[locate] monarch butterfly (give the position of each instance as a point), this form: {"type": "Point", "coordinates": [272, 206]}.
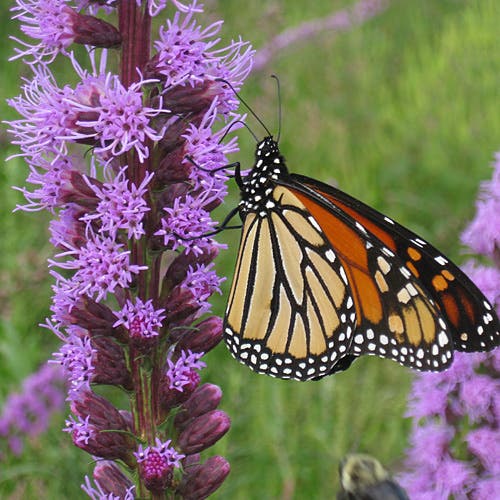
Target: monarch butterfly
{"type": "Point", "coordinates": [321, 278]}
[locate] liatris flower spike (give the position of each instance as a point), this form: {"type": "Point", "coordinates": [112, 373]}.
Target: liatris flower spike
{"type": "Point", "coordinates": [122, 159]}
{"type": "Point", "coordinates": [455, 444]}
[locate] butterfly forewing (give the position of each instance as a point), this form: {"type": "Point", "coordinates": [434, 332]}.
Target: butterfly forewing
{"type": "Point", "coordinates": [289, 314]}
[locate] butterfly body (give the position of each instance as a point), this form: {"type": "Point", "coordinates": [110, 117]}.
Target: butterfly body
{"type": "Point", "coordinates": [322, 278]}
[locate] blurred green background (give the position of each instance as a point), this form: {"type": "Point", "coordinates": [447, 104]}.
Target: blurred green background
{"type": "Point", "coordinates": [401, 112]}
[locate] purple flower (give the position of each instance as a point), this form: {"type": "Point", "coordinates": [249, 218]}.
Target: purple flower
{"type": "Point", "coordinates": [140, 319]}
{"type": "Point", "coordinates": [185, 225]}
{"type": "Point", "coordinates": [121, 205]}
{"type": "Point", "coordinates": [130, 166]}
{"type": "Point", "coordinates": [75, 356]}
{"type": "Point", "coordinates": [156, 464]}
{"type": "Point", "coordinates": [56, 25]}
{"type": "Point", "coordinates": [486, 488]}
{"type": "Point", "coordinates": [115, 116]}
{"type": "Point", "coordinates": [183, 371]}
{"type": "Point", "coordinates": [101, 266]}
{"type": "Point", "coordinates": [462, 404]}
{"type": "Point", "coordinates": [484, 443]}
{"type": "Point", "coordinates": [97, 492]}
{"type": "Point", "coordinates": [186, 55]}
{"type": "Point", "coordinates": [28, 412]}
{"type": "Point", "coordinates": [483, 233]}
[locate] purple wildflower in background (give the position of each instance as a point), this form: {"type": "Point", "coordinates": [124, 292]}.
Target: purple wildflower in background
{"type": "Point", "coordinates": [455, 443]}
{"type": "Point", "coordinates": [27, 414]}
{"type": "Point", "coordinates": [123, 163]}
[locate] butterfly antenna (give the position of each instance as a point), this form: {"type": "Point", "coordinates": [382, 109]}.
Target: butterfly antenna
{"type": "Point", "coordinates": [245, 104]}
{"type": "Point", "coordinates": [278, 88]}
{"type": "Point", "coordinates": [232, 126]}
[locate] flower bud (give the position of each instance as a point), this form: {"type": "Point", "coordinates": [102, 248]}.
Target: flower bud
{"type": "Point", "coordinates": [174, 167]}
{"type": "Point", "coordinates": [178, 269]}
{"type": "Point", "coordinates": [97, 319]}
{"type": "Point", "coordinates": [174, 191]}
{"type": "Point", "coordinates": [174, 397]}
{"type": "Point", "coordinates": [191, 460]}
{"type": "Point", "coordinates": [109, 363]}
{"type": "Point", "coordinates": [202, 338]}
{"type": "Point", "coordinates": [90, 30]}
{"type": "Point", "coordinates": [181, 304]}
{"type": "Point", "coordinates": [201, 480]}
{"type": "Point", "coordinates": [80, 192]}
{"type": "Point", "coordinates": [189, 99]}
{"type": "Point", "coordinates": [101, 419]}
{"type": "Point", "coordinates": [204, 431]}
{"type": "Point", "coordinates": [173, 138]}
{"type": "Point", "coordinates": [111, 479]}
{"type": "Point", "coordinates": [204, 399]}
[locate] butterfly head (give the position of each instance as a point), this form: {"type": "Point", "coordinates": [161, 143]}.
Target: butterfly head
{"type": "Point", "coordinates": [256, 187]}
{"type": "Point", "coordinates": [268, 159]}
{"type": "Point", "coordinates": [267, 148]}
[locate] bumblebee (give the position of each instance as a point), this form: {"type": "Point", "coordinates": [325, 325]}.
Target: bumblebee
{"type": "Point", "coordinates": [362, 477]}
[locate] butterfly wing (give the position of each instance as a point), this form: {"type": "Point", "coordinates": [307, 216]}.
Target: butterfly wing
{"type": "Point", "coordinates": [314, 288]}
{"type": "Point", "coordinates": [290, 313]}
{"type": "Point", "coordinates": [472, 320]}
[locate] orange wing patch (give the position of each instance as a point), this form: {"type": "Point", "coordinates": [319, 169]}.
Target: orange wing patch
{"type": "Point", "coordinates": [352, 253]}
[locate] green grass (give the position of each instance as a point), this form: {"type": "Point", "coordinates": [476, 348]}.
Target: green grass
{"type": "Point", "coordinates": [402, 113]}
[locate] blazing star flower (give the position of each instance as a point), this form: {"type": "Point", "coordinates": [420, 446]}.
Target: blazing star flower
{"type": "Point", "coordinates": [140, 319]}
{"type": "Point", "coordinates": [156, 464]}
{"type": "Point", "coordinates": [116, 117]}
{"type": "Point", "coordinates": [56, 25]}
{"type": "Point", "coordinates": [122, 205]}
{"type": "Point", "coordinates": [97, 492]}
{"type": "Point", "coordinates": [184, 370]}
{"type": "Point", "coordinates": [483, 233]}
{"type": "Point", "coordinates": [101, 266]}
{"type": "Point", "coordinates": [202, 282]}
{"type": "Point", "coordinates": [28, 412]}
{"type": "Point", "coordinates": [185, 225]}
{"type": "Point", "coordinates": [461, 406]}
{"type": "Point", "coordinates": [75, 356]}
{"type": "Point", "coordinates": [130, 166]}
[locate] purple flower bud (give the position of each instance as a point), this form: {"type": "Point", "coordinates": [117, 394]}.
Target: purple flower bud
{"type": "Point", "coordinates": [190, 460]}
{"type": "Point", "coordinates": [204, 399]}
{"type": "Point", "coordinates": [187, 99]}
{"type": "Point", "coordinates": [203, 337]}
{"type": "Point", "coordinates": [174, 167]}
{"type": "Point", "coordinates": [180, 306]}
{"type": "Point", "coordinates": [179, 268]}
{"type": "Point", "coordinates": [109, 363]}
{"type": "Point", "coordinates": [93, 431]}
{"type": "Point", "coordinates": [172, 193]}
{"type": "Point", "coordinates": [190, 296]}
{"type": "Point", "coordinates": [201, 480]}
{"type": "Point", "coordinates": [89, 30]}
{"type": "Point", "coordinates": [80, 193]}
{"type": "Point", "coordinates": [204, 431]}
{"type": "Point", "coordinates": [97, 318]}
{"type": "Point", "coordinates": [111, 479]}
